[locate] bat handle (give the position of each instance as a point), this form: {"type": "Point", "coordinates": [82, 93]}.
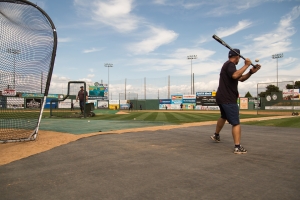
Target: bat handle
{"type": "Point", "coordinates": [245, 59]}
{"type": "Point", "coordinates": [253, 65]}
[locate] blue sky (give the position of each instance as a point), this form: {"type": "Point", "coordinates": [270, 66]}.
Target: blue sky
{"type": "Point", "coordinates": [152, 39]}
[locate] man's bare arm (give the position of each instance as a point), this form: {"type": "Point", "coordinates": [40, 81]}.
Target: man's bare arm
{"type": "Point", "coordinates": [239, 73]}
{"type": "Point", "coordinates": [251, 71]}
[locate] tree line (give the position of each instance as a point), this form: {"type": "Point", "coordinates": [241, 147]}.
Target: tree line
{"type": "Point", "coordinates": [274, 88]}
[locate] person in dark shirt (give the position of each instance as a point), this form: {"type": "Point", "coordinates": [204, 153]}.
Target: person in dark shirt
{"type": "Point", "coordinates": [227, 95]}
{"type": "Point", "coordinates": [80, 96]}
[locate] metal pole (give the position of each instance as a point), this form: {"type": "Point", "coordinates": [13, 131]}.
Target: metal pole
{"type": "Point", "coordinates": [108, 65]}
{"type": "Point", "coordinates": [277, 72]}
{"type": "Point", "coordinates": [14, 52]}
{"type": "Point", "coordinates": [191, 57]}
{"type": "Point", "coordinates": [191, 76]}
{"type": "Point", "coordinates": [276, 56]}
{"type": "Point", "coordinates": [193, 83]}
{"type": "Point", "coordinates": [41, 82]}
{"type": "Point", "coordinates": [108, 82]}
{"type": "Point", "coordinates": [169, 87]}
{"type": "Point", "coordinates": [257, 99]}
{"type": "Point", "coordinates": [14, 70]}
{"type": "Point", "coordinates": [145, 88]}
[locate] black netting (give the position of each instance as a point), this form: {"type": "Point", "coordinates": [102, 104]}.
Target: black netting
{"type": "Point", "coordinates": [27, 51]}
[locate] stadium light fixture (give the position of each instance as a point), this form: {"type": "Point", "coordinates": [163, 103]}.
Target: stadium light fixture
{"type": "Point", "coordinates": [108, 65]}
{"type": "Point", "coordinates": [14, 52]}
{"type": "Point", "coordinates": [276, 56]}
{"type": "Point", "coordinates": [191, 57]}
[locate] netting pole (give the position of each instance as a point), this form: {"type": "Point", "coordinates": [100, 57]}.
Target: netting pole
{"type": "Point", "coordinates": [257, 99]}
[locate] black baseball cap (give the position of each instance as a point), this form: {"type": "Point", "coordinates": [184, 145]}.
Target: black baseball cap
{"type": "Point", "coordinates": [81, 86]}
{"type": "Point", "coordinates": [232, 53]}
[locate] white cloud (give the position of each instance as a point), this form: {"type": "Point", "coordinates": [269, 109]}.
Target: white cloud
{"type": "Point", "coordinates": [224, 32]}
{"type": "Point", "coordinates": [158, 37]}
{"type": "Point", "coordinates": [278, 40]}
{"type": "Point", "coordinates": [63, 40]}
{"type": "Point", "coordinates": [192, 5]}
{"type": "Point", "coordinates": [114, 13]}
{"type": "Point", "coordinates": [202, 54]}
{"type": "Point", "coordinates": [161, 2]}
{"type": "Point", "coordinates": [91, 50]}
{"type": "Point", "coordinates": [91, 75]}
{"type": "Point", "coordinates": [225, 7]}
{"type": "Point", "coordinates": [179, 64]}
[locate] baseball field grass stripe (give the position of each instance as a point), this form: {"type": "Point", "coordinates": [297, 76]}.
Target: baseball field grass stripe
{"type": "Point", "coordinates": [161, 117]}
{"type": "Point", "coordinates": [152, 116]}
{"type": "Point", "coordinates": [293, 122]}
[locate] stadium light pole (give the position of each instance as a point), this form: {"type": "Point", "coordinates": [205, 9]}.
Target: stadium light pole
{"type": "Point", "coordinates": [191, 57]}
{"type": "Point", "coordinates": [276, 56]}
{"type": "Point", "coordinates": [15, 52]}
{"type": "Point", "coordinates": [108, 65]}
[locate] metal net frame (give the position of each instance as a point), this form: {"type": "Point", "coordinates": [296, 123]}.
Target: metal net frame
{"type": "Point", "coordinates": [277, 98]}
{"type": "Point", "coordinates": [27, 53]}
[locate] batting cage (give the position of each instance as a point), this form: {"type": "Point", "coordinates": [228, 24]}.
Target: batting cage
{"type": "Point", "coordinates": [68, 106]}
{"type": "Point", "coordinates": [278, 98]}
{"type": "Point", "coordinates": [27, 52]}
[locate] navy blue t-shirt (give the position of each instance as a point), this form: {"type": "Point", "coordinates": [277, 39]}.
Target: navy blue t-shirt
{"type": "Point", "coordinates": [228, 87]}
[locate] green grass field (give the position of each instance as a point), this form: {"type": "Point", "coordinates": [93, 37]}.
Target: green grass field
{"type": "Point", "coordinates": [171, 117]}
{"type": "Point", "coordinates": [293, 122]}
{"type": "Point", "coordinates": [190, 117]}
{"type": "Point", "coordinates": [175, 117]}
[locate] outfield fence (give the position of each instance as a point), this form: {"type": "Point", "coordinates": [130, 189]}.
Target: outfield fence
{"type": "Point", "coordinates": [277, 98]}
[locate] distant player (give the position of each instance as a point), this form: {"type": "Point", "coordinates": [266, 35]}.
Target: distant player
{"type": "Point", "coordinates": [80, 96]}
{"type": "Point", "coordinates": [227, 95]}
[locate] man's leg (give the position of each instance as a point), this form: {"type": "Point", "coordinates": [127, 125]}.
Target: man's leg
{"type": "Point", "coordinates": [220, 124]}
{"type": "Point", "coordinates": [81, 106]}
{"type": "Point", "coordinates": [236, 134]}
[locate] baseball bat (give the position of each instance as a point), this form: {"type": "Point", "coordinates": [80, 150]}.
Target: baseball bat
{"type": "Point", "coordinates": [226, 45]}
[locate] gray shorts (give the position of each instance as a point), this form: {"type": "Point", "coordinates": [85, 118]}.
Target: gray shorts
{"type": "Point", "coordinates": [230, 112]}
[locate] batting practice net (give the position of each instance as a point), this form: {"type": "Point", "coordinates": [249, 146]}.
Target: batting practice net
{"type": "Point", "coordinates": [67, 106]}
{"type": "Point", "coordinates": [27, 53]}
{"type": "Point", "coordinates": [279, 98]}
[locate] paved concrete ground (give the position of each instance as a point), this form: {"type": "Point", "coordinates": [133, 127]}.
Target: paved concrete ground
{"type": "Point", "coordinates": [170, 164]}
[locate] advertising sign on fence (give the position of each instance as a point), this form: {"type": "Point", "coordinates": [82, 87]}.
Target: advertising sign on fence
{"type": "Point", "coordinates": [290, 94]}
{"type": "Point", "coordinates": [9, 92]}
{"type": "Point", "coordinates": [165, 104]}
{"type": "Point", "coordinates": [102, 104]}
{"type": "Point", "coordinates": [33, 103]}
{"type": "Point", "coordinates": [114, 104]}
{"type": "Point", "coordinates": [124, 104]}
{"type": "Point", "coordinates": [176, 100]}
{"type": "Point", "coordinates": [98, 92]}
{"type": "Point", "coordinates": [244, 103]}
